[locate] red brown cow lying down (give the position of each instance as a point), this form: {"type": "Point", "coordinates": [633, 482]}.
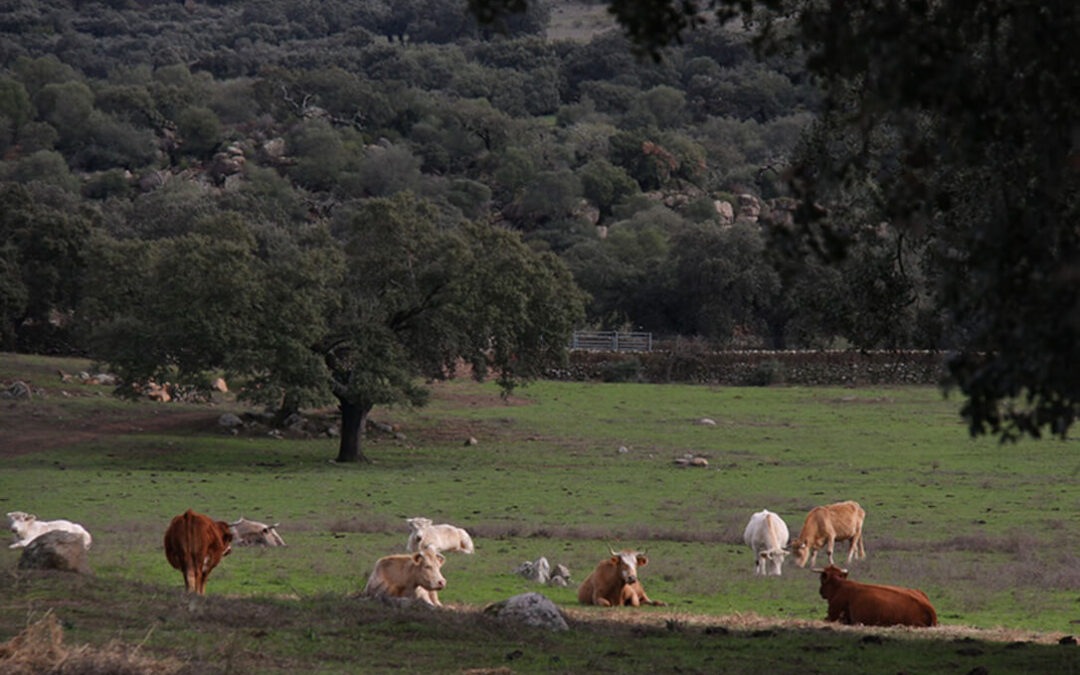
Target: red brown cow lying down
{"type": "Point", "coordinates": [852, 602]}
{"type": "Point", "coordinates": [411, 576]}
{"type": "Point", "coordinates": [826, 525]}
{"type": "Point", "coordinates": [195, 544]}
{"type": "Point", "coordinates": [614, 582]}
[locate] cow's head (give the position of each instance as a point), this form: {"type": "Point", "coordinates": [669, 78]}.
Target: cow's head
{"type": "Point", "coordinates": [773, 561]}
{"type": "Point", "coordinates": [830, 576]}
{"type": "Point", "coordinates": [801, 550]}
{"type": "Point", "coordinates": [426, 569]}
{"type": "Point", "coordinates": [418, 524]}
{"type": "Point", "coordinates": [225, 532]}
{"type": "Point", "coordinates": [19, 521]}
{"type": "Point", "coordinates": [627, 562]}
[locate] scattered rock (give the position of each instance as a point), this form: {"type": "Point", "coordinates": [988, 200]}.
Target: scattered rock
{"type": "Point", "coordinates": [156, 392]}
{"type": "Point", "coordinates": [385, 428]}
{"type": "Point", "coordinates": [56, 550]}
{"type": "Point", "coordinates": [690, 459]}
{"type": "Point", "coordinates": [531, 609]}
{"type": "Point", "coordinates": [219, 385]}
{"type": "Point", "coordinates": [229, 421]}
{"type": "Point", "coordinates": [706, 422]}
{"type": "Point", "coordinates": [538, 570]}
{"type": "Point", "coordinates": [400, 436]}
{"type": "Point", "coordinates": [19, 390]}
{"type": "Point", "coordinates": [471, 440]}
{"type": "Point", "coordinates": [622, 450]}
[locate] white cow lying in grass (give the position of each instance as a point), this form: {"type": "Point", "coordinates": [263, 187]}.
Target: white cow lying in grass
{"type": "Point", "coordinates": [442, 537]}
{"type": "Point", "coordinates": [27, 527]}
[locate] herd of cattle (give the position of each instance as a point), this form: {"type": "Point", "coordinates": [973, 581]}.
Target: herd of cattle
{"type": "Point", "coordinates": [195, 544]}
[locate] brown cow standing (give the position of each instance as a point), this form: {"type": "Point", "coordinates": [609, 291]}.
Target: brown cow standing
{"type": "Point", "coordinates": [826, 525]}
{"type": "Point", "coordinates": [852, 602]}
{"type": "Point", "coordinates": [195, 544]}
{"type": "Point", "coordinates": [413, 577]}
{"type": "Point", "coordinates": [614, 582]}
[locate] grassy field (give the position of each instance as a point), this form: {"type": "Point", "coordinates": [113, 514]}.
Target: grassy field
{"type": "Point", "coordinates": [989, 532]}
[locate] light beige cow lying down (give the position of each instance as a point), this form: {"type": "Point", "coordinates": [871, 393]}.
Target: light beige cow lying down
{"type": "Point", "coordinates": [27, 527]}
{"type": "Point", "coordinates": [441, 537]}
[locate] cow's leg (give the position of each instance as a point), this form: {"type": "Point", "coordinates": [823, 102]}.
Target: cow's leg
{"type": "Point", "coordinates": [836, 612]}
{"type": "Point", "coordinates": [600, 600]}
{"type": "Point", "coordinates": [190, 583]}
{"type": "Point", "coordinates": [832, 544]}
{"type": "Point", "coordinates": [645, 599]}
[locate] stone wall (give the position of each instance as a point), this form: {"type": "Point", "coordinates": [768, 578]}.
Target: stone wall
{"type": "Point", "coordinates": [757, 367]}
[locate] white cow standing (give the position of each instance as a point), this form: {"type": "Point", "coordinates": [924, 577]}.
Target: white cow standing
{"type": "Point", "coordinates": [442, 537]}
{"type": "Point", "coordinates": [767, 535]}
{"type": "Point", "coordinates": [27, 528]}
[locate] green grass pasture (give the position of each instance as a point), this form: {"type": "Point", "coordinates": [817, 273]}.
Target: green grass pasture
{"type": "Point", "coordinates": [991, 532]}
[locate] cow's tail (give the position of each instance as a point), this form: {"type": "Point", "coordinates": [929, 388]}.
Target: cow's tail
{"type": "Point", "coordinates": [466, 543]}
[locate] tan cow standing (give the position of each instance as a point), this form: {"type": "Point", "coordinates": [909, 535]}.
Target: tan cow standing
{"type": "Point", "coordinates": [414, 576]}
{"type": "Point", "coordinates": [195, 544]}
{"type": "Point", "coordinates": [826, 525]}
{"type": "Point", "coordinates": [614, 582]}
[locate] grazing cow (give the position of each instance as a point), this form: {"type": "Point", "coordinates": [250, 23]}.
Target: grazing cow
{"type": "Point", "coordinates": [852, 602]}
{"type": "Point", "coordinates": [411, 576]}
{"type": "Point", "coordinates": [442, 537]}
{"type": "Point", "coordinates": [767, 534]}
{"type": "Point", "coordinates": [195, 544]}
{"type": "Point", "coordinates": [826, 525]}
{"type": "Point", "coordinates": [614, 582]}
{"type": "Point", "coordinates": [27, 527]}
{"type": "Point", "coordinates": [249, 532]}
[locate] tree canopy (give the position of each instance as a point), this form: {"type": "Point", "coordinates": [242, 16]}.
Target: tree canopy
{"type": "Point", "coordinates": [867, 175]}
{"type": "Point", "coordinates": [954, 125]}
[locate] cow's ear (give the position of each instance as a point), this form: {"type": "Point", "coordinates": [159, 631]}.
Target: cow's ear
{"type": "Point", "coordinates": [642, 561]}
{"type": "Point", "coordinates": [442, 559]}
{"type": "Point", "coordinates": [418, 558]}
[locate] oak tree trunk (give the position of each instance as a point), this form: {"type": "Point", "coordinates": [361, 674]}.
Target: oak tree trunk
{"type": "Point", "coordinates": [353, 420]}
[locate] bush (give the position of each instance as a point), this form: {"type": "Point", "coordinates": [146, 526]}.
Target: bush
{"type": "Point", "coordinates": [766, 373]}
{"type": "Point", "coordinates": [622, 370]}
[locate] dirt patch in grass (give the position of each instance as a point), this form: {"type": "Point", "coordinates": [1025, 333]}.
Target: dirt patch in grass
{"type": "Point", "coordinates": [25, 429]}
{"type": "Point", "coordinates": [751, 622]}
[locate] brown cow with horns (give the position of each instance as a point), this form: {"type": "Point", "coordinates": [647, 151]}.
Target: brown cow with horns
{"type": "Point", "coordinates": [195, 544]}
{"type": "Point", "coordinates": [852, 602]}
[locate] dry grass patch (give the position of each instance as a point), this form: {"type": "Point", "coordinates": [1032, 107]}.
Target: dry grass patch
{"type": "Point", "coordinates": [40, 650]}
